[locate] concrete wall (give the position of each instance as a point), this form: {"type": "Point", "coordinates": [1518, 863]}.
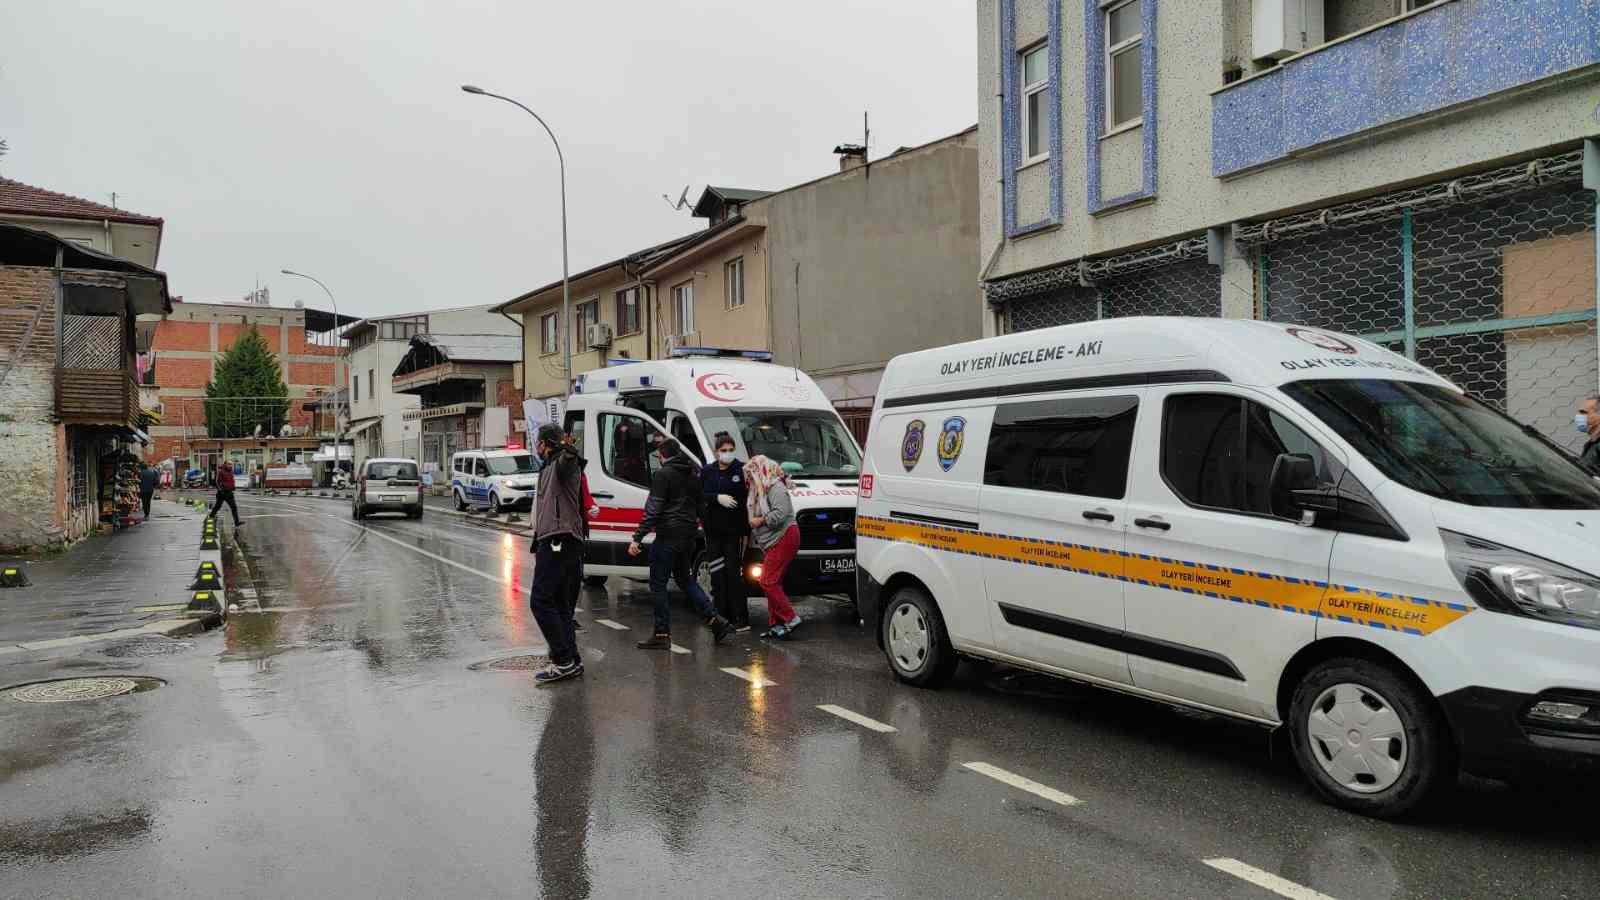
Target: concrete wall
{"type": "Point", "coordinates": [1193, 41]}
{"type": "Point", "coordinates": [32, 462]}
{"type": "Point", "coordinates": [876, 261]}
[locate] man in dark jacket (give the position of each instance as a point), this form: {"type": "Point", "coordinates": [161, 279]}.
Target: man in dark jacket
{"type": "Point", "coordinates": [225, 493]}
{"type": "Point", "coordinates": [673, 513]}
{"type": "Point", "coordinates": [149, 479]}
{"type": "Point", "coordinates": [727, 523]}
{"type": "Point", "coordinates": [558, 529]}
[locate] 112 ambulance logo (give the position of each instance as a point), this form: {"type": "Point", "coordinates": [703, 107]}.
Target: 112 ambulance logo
{"type": "Point", "coordinates": [911, 444]}
{"type": "Point", "coordinates": [720, 386]}
{"type": "Point", "coordinates": [952, 437]}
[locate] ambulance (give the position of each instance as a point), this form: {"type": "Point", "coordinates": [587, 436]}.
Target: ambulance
{"type": "Point", "coordinates": [618, 413]}
{"type": "Point", "coordinates": [1282, 525]}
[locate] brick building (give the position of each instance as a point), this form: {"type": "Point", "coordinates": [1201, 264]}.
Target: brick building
{"type": "Point", "coordinates": [71, 410]}
{"type": "Point", "coordinates": [183, 357]}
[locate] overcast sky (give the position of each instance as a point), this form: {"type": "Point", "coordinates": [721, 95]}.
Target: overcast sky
{"type": "Point", "coordinates": [332, 137]}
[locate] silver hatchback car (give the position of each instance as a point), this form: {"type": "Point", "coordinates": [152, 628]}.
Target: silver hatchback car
{"type": "Point", "coordinates": [387, 485]}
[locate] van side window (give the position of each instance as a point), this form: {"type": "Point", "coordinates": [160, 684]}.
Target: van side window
{"type": "Point", "coordinates": [480, 468]}
{"type": "Point", "coordinates": [1073, 446]}
{"type": "Point", "coordinates": [1217, 451]}
{"type": "Point", "coordinates": [625, 448]}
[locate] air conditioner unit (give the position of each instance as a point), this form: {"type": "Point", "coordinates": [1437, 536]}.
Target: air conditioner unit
{"type": "Point", "coordinates": [598, 336]}
{"type": "Point", "coordinates": [1281, 28]}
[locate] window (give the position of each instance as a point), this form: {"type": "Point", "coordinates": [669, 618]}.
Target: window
{"type": "Point", "coordinates": [549, 342]}
{"type": "Point", "coordinates": [1124, 64]}
{"type": "Point", "coordinates": [1217, 451]}
{"type": "Point", "coordinates": [806, 443]}
{"type": "Point", "coordinates": [733, 282]}
{"type": "Point", "coordinates": [1078, 446]}
{"type": "Point", "coordinates": [372, 385]}
{"type": "Point", "coordinates": [683, 308]}
{"type": "Point", "coordinates": [683, 430]}
{"type": "Point", "coordinates": [355, 388]}
{"type": "Point", "coordinates": [574, 427]}
{"type": "Point", "coordinates": [519, 464]}
{"type": "Point", "coordinates": [383, 471]}
{"type": "Point", "coordinates": [480, 468]}
{"type": "Point", "coordinates": [627, 448]}
{"type": "Point", "coordinates": [628, 311]}
{"type": "Point", "coordinates": [1036, 96]}
{"type": "Point", "coordinates": [584, 315]}
{"type": "Point", "coordinates": [402, 329]}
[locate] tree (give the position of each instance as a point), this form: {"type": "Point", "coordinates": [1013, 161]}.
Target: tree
{"type": "Point", "coordinates": [247, 390]}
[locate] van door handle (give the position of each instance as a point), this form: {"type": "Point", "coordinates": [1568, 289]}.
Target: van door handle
{"type": "Point", "coordinates": [1098, 515]}
{"type": "Point", "coordinates": [1155, 522]}
{"type": "Point", "coordinates": [601, 495]}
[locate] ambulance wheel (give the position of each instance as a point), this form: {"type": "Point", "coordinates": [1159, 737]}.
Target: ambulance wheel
{"type": "Point", "coordinates": [460, 501]}
{"type": "Point", "coordinates": [1370, 738]}
{"type": "Point", "coordinates": [915, 641]}
{"type": "Point", "coordinates": [595, 581]}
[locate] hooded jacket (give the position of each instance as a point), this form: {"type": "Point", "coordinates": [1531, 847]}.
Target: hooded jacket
{"type": "Point", "coordinates": [673, 509]}
{"type": "Point", "coordinates": [559, 504]}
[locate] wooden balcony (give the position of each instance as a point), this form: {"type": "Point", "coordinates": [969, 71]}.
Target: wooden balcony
{"type": "Point", "coordinates": [96, 397]}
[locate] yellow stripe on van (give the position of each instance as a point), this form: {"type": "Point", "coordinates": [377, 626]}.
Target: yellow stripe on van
{"type": "Point", "coordinates": [1345, 603]}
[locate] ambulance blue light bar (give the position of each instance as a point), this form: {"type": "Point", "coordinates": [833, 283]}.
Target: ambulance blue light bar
{"type": "Point", "coordinates": [722, 353]}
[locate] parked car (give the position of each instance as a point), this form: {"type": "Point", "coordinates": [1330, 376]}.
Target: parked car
{"type": "Point", "coordinates": [497, 478]}
{"type": "Point", "coordinates": [387, 485]}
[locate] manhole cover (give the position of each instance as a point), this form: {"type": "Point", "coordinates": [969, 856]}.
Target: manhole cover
{"type": "Point", "coordinates": [524, 663]}
{"type": "Point", "coordinates": [71, 690]}
{"type": "Point", "coordinates": [153, 646]}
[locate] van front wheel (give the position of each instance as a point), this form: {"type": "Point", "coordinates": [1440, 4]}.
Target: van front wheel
{"type": "Point", "coordinates": [1369, 738]}
{"type": "Point", "coordinates": [915, 641]}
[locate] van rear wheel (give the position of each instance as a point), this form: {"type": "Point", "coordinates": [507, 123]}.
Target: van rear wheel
{"type": "Point", "coordinates": [1369, 738]}
{"type": "Point", "coordinates": [915, 641]}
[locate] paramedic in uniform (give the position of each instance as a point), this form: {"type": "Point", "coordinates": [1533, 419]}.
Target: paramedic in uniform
{"type": "Point", "coordinates": [722, 481]}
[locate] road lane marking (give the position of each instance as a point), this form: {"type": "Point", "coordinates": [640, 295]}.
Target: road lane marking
{"type": "Point", "coordinates": [1025, 784]}
{"type": "Point", "coordinates": [1267, 880]}
{"type": "Point", "coordinates": [614, 626]}
{"type": "Point", "coordinates": [856, 717]}
{"type": "Point", "coordinates": [413, 548]}
{"type": "Point", "coordinates": [751, 677]}
{"type": "Point", "coordinates": [681, 651]}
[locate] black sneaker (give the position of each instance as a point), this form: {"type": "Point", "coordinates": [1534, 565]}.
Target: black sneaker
{"type": "Point", "coordinates": [720, 629]}
{"type": "Point", "coordinates": [553, 673]}
{"type": "Point", "coordinates": [657, 641]}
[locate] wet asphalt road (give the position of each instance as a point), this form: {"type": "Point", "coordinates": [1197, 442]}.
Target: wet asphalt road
{"type": "Point", "coordinates": [338, 743]}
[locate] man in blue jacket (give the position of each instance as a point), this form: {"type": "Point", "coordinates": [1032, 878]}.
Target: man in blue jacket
{"type": "Point", "coordinates": [727, 524]}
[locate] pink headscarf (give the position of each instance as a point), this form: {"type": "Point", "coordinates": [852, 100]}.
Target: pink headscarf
{"type": "Point", "coordinates": [760, 474]}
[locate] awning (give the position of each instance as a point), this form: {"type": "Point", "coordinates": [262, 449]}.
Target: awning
{"type": "Point", "coordinates": [143, 438]}
{"type": "Point", "coordinates": [360, 425]}
{"type": "Point", "coordinates": [325, 455]}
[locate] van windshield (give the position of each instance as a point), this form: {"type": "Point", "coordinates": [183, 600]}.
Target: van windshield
{"type": "Point", "coordinates": [806, 443]}
{"type": "Point", "coordinates": [522, 463]}
{"type": "Point", "coordinates": [1434, 440]}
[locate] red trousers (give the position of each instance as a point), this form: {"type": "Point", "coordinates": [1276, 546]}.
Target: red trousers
{"type": "Point", "coordinates": [775, 563]}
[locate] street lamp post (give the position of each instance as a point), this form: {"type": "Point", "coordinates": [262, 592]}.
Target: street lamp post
{"type": "Point", "coordinates": [338, 425]}
{"type": "Point", "coordinates": [566, 296]}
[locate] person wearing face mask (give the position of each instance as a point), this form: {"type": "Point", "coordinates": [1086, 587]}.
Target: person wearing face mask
{"type": "Point", "coordinates": [773, 527]}
{"type": "Point", "coordinates": [1587, 423]}
{"type": "Point", "coordinates": [558, 552]}
{"type": "Point", "coordinates": [722, 482]}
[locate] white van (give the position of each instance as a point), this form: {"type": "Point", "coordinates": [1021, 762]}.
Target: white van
{"type": "Point", "coordinates": [501, 478]}
{"type": "Point", "coordinates": [1283, 525]}
{"type": "Point", "coordinates": [617, 414]}
{"type": "Point", "coordinates": [387, 484]}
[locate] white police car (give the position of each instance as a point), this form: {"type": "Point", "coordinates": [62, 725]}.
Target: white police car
{"type": "Point", "coordinates": [499, 479]}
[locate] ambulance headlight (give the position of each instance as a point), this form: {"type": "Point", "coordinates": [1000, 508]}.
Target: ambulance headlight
{"type": "Point", "coordinates": [1509, 581]}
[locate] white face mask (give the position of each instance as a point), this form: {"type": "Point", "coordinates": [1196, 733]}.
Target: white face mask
{"type": "Point", "coordinates": [725, 457]}
{"type": "Point", "coordinates": [1580, 423]}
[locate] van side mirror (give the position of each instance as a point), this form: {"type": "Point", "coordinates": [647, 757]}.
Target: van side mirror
{"type": "Point", "coordinates": [1291, 473]}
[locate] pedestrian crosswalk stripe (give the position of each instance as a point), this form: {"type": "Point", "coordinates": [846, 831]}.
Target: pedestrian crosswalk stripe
{"type": "Point", "coordinates": [1021, 783]}
{"type": "Point", "coordinates": [1280, 886]}
{"type": "Point", "coordinates": [615, 626]}
{"type": "Point", "coordinates": [685, 651]}
{"type": "Point", "coordinates": [757, 680]}
{"type": "Point", "coordinates": [855, 717]}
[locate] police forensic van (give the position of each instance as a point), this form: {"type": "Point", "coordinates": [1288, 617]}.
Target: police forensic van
{"type": "Point", "coordinates": [618, 413]}
{"type": "Point", "coordinates": [1283, 525]}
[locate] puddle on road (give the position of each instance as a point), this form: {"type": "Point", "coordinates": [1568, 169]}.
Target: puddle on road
{"type": "Point", "coordinates": [72, 836]}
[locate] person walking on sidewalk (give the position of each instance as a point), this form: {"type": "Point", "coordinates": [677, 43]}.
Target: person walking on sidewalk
{"type": "Point", "coordinates": [773, 527]}
{"type": "Point", "coordinates": [558, 551]}
{"type": "Point", "coordinates": [673, 513]}
{"type": "Point", "coordinates": [225, 494]}
{"type": "Point", "coordinates": [149, 480]}
{"type": "Point", "coordinates": [722, 482]}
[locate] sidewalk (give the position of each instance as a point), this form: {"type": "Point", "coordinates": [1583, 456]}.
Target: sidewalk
{"type": "Point", "coordinates": [134, 582]}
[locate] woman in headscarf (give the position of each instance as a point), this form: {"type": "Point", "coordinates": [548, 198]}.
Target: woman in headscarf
{"type": "Point", "coordinates": [773, 528]}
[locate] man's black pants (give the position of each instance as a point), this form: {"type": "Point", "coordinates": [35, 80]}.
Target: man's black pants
{"type": "Point", "coordinates": [144, 500]}
{"type": "Point", "coordinates": [557, 565]}
{"type": "Point", "coordinates": [725, 561]}
{"type": "Point", "coordinates": [225, 496]}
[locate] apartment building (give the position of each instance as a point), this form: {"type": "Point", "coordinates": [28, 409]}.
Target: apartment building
{"type": "Point", "coordinates": [834, 276]}
{"type": "Point", "coordinates": [1421, 172]}
{"type": "Point", "coordinates": [468, 393]}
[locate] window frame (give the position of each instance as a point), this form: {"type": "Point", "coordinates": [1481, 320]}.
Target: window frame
{"type": "Point", "coordinates": [1025, 93]}
{"type": "Point", "coordinates": [549, 334]}
{"type": "Point", "coordinates": [1112, 51]}
{"type": "Point", "coordinates": [355, 387]}
{"type": "Point", "coordinates": [372, 384]}
{"type": "Point", "coordinates": [1004, 409]}
{"type": "Point", "coordinates": [581, 317]}
{"type": "Point", "coordinates": [623, 325]}
{"type": "Point", "coordinates": [605, 430]}
{"type": "Point", "coordinates": [683, 308]}
{"type": "Point", "coordinates": [729, 282]}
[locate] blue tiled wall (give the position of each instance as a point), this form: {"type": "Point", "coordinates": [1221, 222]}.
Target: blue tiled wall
{"type": "Point", "coordinates": [1094, 25]}
{"type": "Point", "coordinates": [1450, 54]}
{"type": "Point", "coordinates": [1011, 140]}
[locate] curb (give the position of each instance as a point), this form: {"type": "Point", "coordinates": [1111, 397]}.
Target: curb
{"type": "Point", "coordinates": [166, 628]}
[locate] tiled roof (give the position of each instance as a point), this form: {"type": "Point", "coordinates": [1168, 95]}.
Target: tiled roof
{"type": "Point", "coordinates": [26, 200]}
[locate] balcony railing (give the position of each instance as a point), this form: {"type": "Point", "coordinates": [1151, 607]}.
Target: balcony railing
{"type": "Point", "coordinates": [96, 397]}
{"type": "Point", "coordinates": [1436, 59]}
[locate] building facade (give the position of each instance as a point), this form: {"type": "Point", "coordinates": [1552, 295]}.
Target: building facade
{"type": "Point", "coordinates": [834, 276]}
{"type": "Point", "coordinates": [466, 385]}
{"type": "Point", "coordinates": [1408, 170]}
{"type": "Point", "coordinates": [183, 359]}
{"type": "Point", "coordinates": [112, 231]}
{"type": "Point", "coordinates": [72, 420]}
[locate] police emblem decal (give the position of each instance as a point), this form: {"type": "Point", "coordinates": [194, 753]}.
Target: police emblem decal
{"type": "Point", "coordinates": [911, 444]}
{"type": "Point", "coordinates": [952, 436]}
